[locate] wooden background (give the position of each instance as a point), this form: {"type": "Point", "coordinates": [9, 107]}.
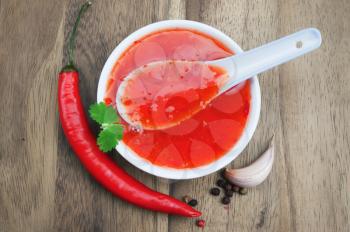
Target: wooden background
{"type": "Point", "coordinates": [306, 103]}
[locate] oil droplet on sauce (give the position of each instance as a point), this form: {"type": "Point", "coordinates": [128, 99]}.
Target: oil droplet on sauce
{"type": "Point", "coordinates": [184, 89]}
{"type": "Point", "coordinates": [200, 139]}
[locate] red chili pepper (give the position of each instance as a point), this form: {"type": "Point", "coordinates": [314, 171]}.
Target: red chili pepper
{"type": "Point", "coordinates": [97, 163]}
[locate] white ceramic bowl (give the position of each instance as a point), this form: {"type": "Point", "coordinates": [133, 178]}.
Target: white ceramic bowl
{"type": "Point", "coordinates": [253, 117]}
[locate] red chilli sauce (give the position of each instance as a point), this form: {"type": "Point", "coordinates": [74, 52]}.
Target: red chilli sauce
{"type": "Point", "coordinates": [163, 94]}
{"type": "Point", "coordinates": [200, 139]}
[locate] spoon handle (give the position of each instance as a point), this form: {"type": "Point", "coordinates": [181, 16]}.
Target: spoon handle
{"type": "Point", "coordinates": [277, 52]}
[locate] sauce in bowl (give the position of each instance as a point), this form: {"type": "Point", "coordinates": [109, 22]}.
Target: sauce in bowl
{"type": "Point", "coordinates": [200, 139]}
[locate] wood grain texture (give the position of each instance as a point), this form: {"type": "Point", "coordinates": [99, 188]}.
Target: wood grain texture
{"type": "Point", "coordinates": [305, 103]}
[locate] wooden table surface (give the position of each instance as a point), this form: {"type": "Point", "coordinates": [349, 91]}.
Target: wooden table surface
{"type": "Point", "coordinates": [306, 103]}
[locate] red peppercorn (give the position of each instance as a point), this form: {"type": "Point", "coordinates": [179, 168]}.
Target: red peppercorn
{"type": "Point", "coordinates": [235, 188]}
{"type": "Point", "coordinates": [200, 223]}
{"type": "Point", "coordinates": [227, 186]}
{"type": "Point", "coordinates": [187, 199]}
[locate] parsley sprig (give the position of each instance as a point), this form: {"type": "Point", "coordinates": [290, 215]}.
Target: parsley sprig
{"type": "Point", "coordinates": [112, 130]}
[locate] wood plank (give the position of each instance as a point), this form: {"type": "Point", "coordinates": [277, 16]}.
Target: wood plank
{"type": "Point", "coordinates": [30, 56]}
{"type": "Point", "coordinates": [305, 103]}
{"type": "Point", "coordinates": [314, 112]}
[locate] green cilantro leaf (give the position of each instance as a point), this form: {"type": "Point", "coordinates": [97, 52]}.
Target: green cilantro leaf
{"type": "Point", "coordinates": [109, 137]}
{"type": "Point", "coordinates": [118, 131]}
{"type": "Point", "coordinates": [112, 131]}
{"type": "Point", "coordinates": [102, 113]}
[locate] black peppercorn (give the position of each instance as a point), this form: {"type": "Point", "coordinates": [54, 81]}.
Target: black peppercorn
{"type": "Point", "coordinates": [215, 191]}
{"type": "Point", "coordinates": [193, 202]}
{"type": "Point", "coordinates": [226, 200]}
{"type": "Point", "coordinates": [229, 193]}
{"type": "Point", "coordinates": [243, 191]}
{"type": "Point", "coordinates": [221, 183]}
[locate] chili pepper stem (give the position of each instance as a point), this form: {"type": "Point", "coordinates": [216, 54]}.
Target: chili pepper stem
{"type": "Point", "coordinates": [71, 44]}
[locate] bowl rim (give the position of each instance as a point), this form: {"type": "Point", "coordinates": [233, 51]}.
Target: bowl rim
{"type": "Point", "coordinates": [234, 152]}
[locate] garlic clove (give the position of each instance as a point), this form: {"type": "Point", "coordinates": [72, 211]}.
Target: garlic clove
{"type": "Point", "coordinates": [255, 173]}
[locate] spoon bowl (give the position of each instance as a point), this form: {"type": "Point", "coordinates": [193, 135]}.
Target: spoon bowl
{"type": "Point", "coordinates": [162, 94]}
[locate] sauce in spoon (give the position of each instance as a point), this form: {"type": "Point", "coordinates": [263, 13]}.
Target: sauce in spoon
{"type": "Point", "coordinates": [163, 94]}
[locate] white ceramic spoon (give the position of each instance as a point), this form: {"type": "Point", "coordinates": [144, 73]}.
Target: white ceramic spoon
{"type": "Point", "coordinates": [240, 67]}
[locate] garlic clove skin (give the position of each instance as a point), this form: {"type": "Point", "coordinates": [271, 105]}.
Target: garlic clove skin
{"type": "Point", "coordinates": [255, 173]}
